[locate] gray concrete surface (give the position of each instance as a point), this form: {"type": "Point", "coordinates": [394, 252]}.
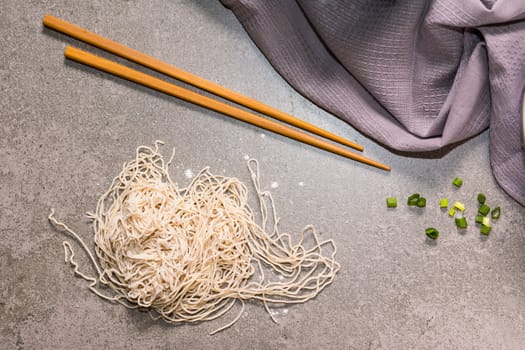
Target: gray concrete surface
{"type": "Point", "coordinates": [65, 131]}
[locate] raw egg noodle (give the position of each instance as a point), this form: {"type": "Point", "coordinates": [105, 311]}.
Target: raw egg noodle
{"type": "Point", "coordinates": [189, 255]}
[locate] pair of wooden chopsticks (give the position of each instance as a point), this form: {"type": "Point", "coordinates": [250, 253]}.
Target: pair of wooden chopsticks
{"type": "Point", "coordinates": [196, 98]}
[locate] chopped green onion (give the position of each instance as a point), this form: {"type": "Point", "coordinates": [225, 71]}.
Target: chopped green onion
{"type": "Point", "coordinates": [421, 202]}
{"type": "Point", "coordinates": [484, 209]}
{"type": "Point", "coordinates": [485, 221]}
{"type": "Point", "coordinates": [413, 199]}
{"type": "Point", "coordinates": [461, 222]}
{"type": "Point", "coordinates": [495, 213]}
{"type": "Point", "coordinates": [432, 233]}
{"type": "Point", "coordinates": [479, 219]}
{"type": "Point", "coordinates": [457, 182]}
{"type": "Point", "coordinates": [481, 198]}
{"type": "Point", "coordinates": [459, 206]}
{"type": "Point", "coordinates": [391, 202]}
{"type": "Point", "coordinates": [485, 230]}
{"type": "Point", "coordinates": [452, 211]}
{"type": "Point", "coordinates": [443, 203]}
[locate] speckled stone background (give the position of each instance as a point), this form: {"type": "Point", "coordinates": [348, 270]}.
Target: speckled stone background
{"type": "Point", "coordinates": [66, 130]}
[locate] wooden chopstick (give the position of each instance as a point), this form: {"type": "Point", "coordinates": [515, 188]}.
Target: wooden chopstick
{"type": "Point", "coordinates": [177, 73]}
{"type": "Point", "coordinates": [210, 103]}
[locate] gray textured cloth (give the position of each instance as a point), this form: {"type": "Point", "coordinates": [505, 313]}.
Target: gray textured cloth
{"type": "Point", "coordinates": [414, 75]}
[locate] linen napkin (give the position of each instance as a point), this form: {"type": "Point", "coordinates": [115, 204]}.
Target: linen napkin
{"type": "Point", "coordinates": [414, 75]}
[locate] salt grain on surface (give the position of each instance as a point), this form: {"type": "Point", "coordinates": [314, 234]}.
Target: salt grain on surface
{"type": "Point", "coordinates": [188, 173]}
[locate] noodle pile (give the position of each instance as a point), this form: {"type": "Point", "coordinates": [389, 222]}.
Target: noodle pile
{"type": "Point", "coordinates": [188, 255]}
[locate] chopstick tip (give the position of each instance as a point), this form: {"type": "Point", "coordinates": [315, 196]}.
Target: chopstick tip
{"type": "Point", "coordinates": [47, 17]}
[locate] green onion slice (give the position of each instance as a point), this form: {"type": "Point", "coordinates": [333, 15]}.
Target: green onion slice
{"type": "Point", "coordinates": [457, 182]}
{"type": "Point", "coordinates": [461, 222]}
{"type": "Point", "coordinates": [421, 202]}
{"type": "Point", "coordinates": [443, 203]}
{"type": "Point", "coordinates": [484, 209]}
{"type": "Point", "coordinates": [496, 212]}
{"type": "Point", "coordinates": [481, 198]}
{"type": "Point", "coordinates": [485, 230]}
{"type": "Point", "coordinates": [391, 202]}
{"type": "Point", "coordinates": [459, 206]}
{"type": "Point", "coordinates": [413, 199]}
{"type": "Point", "coordinates": [432, 233]}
